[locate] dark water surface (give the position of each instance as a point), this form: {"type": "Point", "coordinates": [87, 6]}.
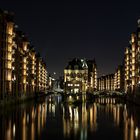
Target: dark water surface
{"type": "Point", "coordinates": [48, 119]}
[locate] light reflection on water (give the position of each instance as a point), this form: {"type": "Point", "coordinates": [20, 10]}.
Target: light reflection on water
{"type": "Point", "coordinates": [50, 119]}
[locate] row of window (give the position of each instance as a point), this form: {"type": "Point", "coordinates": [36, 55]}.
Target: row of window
{"type": "Point", "coordinates": [76, 85]}
{"type": "Point", "coordinates": [76, 74]}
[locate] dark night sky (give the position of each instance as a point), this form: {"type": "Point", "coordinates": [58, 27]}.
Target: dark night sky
{"type": "Point", "coordinates": [66, 29]}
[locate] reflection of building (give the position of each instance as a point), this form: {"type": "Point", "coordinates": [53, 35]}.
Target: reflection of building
{"type": "Point", "coordinates": [29, 125]}
{"type": "Point", "coordinates": [80, 75]}
{"type": "Point", "coordinates": [21, 70]}
{"type": "Point", "coordinates": [132, 62]}
{"type": "Point", "coordinates": [79, 119]}
{"type": "Point", "coordinates": [106, 83]}
{"type": "Point", "coordinates": [131, 124]}
{"type": "Point", "coordinates": [119, 79]}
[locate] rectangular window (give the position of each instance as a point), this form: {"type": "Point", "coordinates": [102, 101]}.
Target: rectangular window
{"type": "Point", "coordinates": [8, 65]}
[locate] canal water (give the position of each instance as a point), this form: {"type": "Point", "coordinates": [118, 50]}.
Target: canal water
{"type": "Point", "coordinates": [48, 118]}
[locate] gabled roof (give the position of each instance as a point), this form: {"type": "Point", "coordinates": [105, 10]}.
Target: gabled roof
{"type": "Point", "coordinates": [77, 64]}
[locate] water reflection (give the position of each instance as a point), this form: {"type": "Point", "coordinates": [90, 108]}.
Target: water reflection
{"type": "Point", "coordinates": [131, 123]}
{"type": "Point", "coordinates": [23, 122]}
{"type": "Point", "coordinates": [78, 118]}
{"type": "Point", "coordinates": [48, 118]}
{"type": "Point", "coordinates": [85, 119]}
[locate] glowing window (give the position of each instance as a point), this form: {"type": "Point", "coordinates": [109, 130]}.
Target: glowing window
{"type": "Point", "coordinates": [10, 28]}
{"type": "Point", "coordinates": [8, 76]}
{"type": "Point", "coordinates": [8, 65]}
{"type": "Point", "coordinates": [9, 56]}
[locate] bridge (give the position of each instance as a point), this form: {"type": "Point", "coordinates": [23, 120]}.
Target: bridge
{"type": "Point", "coordinates": [108, 93]}
{"type": "Point", "coordinates": [100, 96]}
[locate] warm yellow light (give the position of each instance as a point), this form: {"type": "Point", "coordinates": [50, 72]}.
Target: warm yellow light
{"type": "Point", "coordinates": [24, 72]}
{"type": "Point", "coordinates": [133, 48]}
{"type": "Point", "coordinates": [10, 39]}
{"type": "Point", "coordinates": [24, 80]}
{"type": "Point", "coordinates": [24, 60]}
{"type": "Point", "coordinates": [9, 47]}
{"type": "Point", "coordinates": [9, 56]}
{"type": "Point", "coordinates": [32, 82]}
{"type": "Point", "coordinates": [136, 132]}
{"type": "Point", "coordinates": [33, 57]}
{"type": "Point", "coordinates": [32, 71]}
{"type": "Point", "coordinates": [9, 65]}
{"type": "Point", "coordinates": [24, 66]}
{"type": "Point", "coordinates": [133, 82]}
{"type": "Point", "coordinates": [127, 51]}
{"type": "Point", "coordinates": [8, 76]}
{"type": "Point", "coordinates": [133, 54]}
{"type": "Point", "coordinates": [132, 40]}
{"type": "Point", "coordinates": [25, 46]}
{"type": "Point", "coordinates": [133, 67]}
{"type": "Point", "coordinates": [10, 28]}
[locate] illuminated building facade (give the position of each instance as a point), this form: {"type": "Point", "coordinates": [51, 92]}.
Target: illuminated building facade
{"type": "Point", "coordinates": [92, 75]}
{"type": "Point", "coordinates": [80, 75]}
{"type": "Point", "coordinates": [6, 46]}
{"type": "Point", "coordinates": [130, 65]}
{"type": "Point", "coordinates": [119, 78]}
{"type": "Point", "coordinates": [106, 83]}
{"type": "Point", "coordinates": [19, 69]}
{"type": "Point", "coordinates": [132, 62]}
{"type": "Point", "coordinates": [41, 73]}
{"type": "Point", "coordinates": [127, 69]}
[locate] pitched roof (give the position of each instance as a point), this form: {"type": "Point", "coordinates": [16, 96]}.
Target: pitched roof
{"type": "Point", "coordinates": [77, 64]}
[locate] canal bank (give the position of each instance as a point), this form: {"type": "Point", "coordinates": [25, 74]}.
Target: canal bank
{"type": "Point", "coordinates": [22, 99]}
